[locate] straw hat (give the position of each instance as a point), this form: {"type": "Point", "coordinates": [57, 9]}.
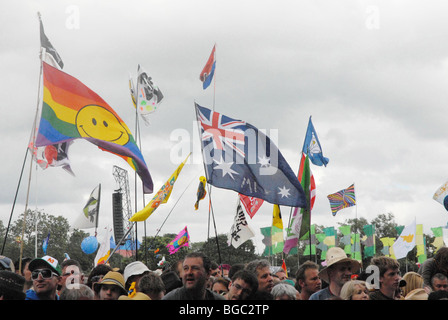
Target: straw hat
{"type": "Point", "coordinates": [337, 255]}
{"type": "Point", "coordinates": [136, 296]}
{"type": "Point", "coordinates": [111, 277]}
{"type": "Point", "coordinates": [417, 294]}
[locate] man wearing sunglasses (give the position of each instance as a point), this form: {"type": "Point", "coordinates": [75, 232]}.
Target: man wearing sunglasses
{"type": "Point", "coordinates": [45, 273]}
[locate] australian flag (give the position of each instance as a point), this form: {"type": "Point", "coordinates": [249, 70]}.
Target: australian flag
{"type": "Point", "coordinates": [240, 157]}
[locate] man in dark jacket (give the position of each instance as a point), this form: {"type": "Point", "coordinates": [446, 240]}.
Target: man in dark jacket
{"type": "Point", "coordinates": [197, 269]}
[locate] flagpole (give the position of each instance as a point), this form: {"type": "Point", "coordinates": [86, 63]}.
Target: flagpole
{"type": "Point", "coordinates": [138, 138]}
{"type": "Point", "coordinates": [121, 240]}
{"type": "Point", "coordinates": [214, 224]}
{"type": "Point", "coordinates": [214, 82]}
{"type": "Point", "coordinates": [31, 162]}
{"type": "Point", "coordinates": [98, 209]}
{"type": "Point", "coordinates": [290, 211]}
{"type": "Point", "coordinates": [356, 226]}
{"type": "Point", "coordinates": [26, 205]}
{"type": "Point", "coordinates": [209, 191]}
{"type": "Point", "coordinates": [15, 199]}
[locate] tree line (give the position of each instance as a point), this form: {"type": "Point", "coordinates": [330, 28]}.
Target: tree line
{"type": "Point", "coordinates": [153, 249]}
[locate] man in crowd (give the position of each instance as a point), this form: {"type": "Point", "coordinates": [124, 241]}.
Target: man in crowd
{"type": "Point", "coordinates": [389, 278]}
{"type": "Point", "coordinates": [243, 284]}
{"type": "Point", "coordinates": [45, 273]}
{"type": "Point", "coordinates": [196, 273]}
{"type": "Point", "coordinates": [261, 268]}
{"type": "Point", "coordinates": [439, 282]}
{"type": "Point", "coordinates": [307, 279]}
{"type": "Point", "coordinates": [111, 287]}
{"type": "Point", "coordinates": [337, 271]}
{"type": "Point", "coordinates": [71, 275]}
{"type": "Point", "coordinates": [133, 272]}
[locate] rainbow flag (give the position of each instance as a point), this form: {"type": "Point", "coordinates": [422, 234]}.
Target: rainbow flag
{"type": "Point", "coordinates": [342, 199]}
{"type": "Point", "coordinates": [70, 110]}
{"type": "Point", "coordinates": [181, 240]}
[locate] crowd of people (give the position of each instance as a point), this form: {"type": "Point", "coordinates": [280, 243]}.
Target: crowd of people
{"type": "Point", "coordinates": [196, 277]}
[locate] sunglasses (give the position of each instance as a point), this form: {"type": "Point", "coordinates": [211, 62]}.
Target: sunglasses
{"type": "Point", "coordinates": [45, 273]}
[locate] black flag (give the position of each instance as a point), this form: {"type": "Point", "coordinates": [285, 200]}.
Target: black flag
{"type": "Point", "coordinates": [45, 43]}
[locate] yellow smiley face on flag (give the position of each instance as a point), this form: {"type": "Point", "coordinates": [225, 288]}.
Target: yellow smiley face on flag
{"type": "Point", "coordinates": [97, 122]}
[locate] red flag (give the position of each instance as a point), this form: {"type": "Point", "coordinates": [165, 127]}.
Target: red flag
{"type": "Point", "coordinates": [209, 70]}
{"type": "Point", "coordinates": [251, 204]}
{"type": "Point", "coordinates": [284, 267]}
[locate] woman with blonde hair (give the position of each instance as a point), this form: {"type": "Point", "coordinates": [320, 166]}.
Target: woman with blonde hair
{"type": "Point", "coordinates": [413, 281]}
{"type": "Point", "coordinates": [355, 290]}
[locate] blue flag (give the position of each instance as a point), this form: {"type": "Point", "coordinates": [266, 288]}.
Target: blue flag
{"type": "Point", "coordinates": [311, 146]}
{"type": "Point", "coordinates": [45, 243]}
{"type": "Point", "coordinates": [240, 157]}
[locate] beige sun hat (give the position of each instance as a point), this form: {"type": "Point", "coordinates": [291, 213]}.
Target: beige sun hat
{"type": "Point", "coordinates": [417, 294]}
{"type": "Point", "coordinates": [337, 255]}
{"type": "Point", "coordinates": [114, 278]}
{"type": "Point", "coordinates": [136, 296]}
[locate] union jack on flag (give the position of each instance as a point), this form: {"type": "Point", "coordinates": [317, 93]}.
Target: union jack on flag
{"type": "Point", "coordinates": [239, 157]}
{"type": "Point", "coordinates": [223, 131]}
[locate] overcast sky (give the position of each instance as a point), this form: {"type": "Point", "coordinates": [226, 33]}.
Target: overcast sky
{"type": "Point", "coordinates": [372, 74]}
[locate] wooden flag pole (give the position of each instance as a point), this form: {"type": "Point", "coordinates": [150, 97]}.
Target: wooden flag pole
{"type": "Point", "coordinates": [209, 193]}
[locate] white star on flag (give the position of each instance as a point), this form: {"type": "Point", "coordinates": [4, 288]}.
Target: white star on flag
{"type": "Point", "coordinates": [226, 168]}
{"type": "Point", "coordinates": [284, 192]}
{"type": "Point", "coordinates": [264, 161]}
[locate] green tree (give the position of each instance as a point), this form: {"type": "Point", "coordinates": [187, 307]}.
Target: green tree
{"type": "Point", "coordinates": [27, 233]}
{"type": "Point", "coordinates": [156, 250]}
{"type": "Point", "coordinates": [76, 253]}
{"type": "Point", "coordinates": [228, 254]}
{"type": "Point", "coordinates": [385, 225]}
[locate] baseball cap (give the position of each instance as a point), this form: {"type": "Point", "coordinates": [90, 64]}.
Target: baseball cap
{"type": "Point", "coordinates": [46, 261]}
{"type": "Point", "coordinates": [6, 264]}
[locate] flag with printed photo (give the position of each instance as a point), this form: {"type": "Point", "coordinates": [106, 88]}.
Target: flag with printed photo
{"type": "Point", "coordinates": [55, 155]}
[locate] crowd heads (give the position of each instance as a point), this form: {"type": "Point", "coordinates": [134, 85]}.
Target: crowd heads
{"type": "Point", "coordinates": [196, 277]}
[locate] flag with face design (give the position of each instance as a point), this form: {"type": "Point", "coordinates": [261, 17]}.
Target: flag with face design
{"type": "Point", "coordinates": [70, 110]}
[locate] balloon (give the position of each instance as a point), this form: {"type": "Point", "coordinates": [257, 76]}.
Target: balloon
{"type": "Point", "coordinates": [89, 244]}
